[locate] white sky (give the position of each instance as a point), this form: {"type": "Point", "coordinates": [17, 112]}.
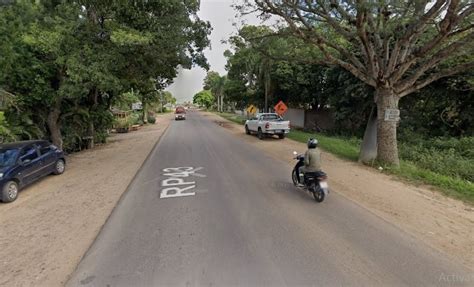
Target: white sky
{"type": "Point", "coordinates": [221, 16]}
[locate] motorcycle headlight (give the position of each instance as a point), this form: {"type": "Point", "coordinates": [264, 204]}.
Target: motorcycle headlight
{"type": "Point", "coordinates": [1, 175]}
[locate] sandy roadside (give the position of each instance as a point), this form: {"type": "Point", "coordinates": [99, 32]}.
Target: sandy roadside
{"type": "Point", "coordinates": [47, 230]}
{"type": "Point", "coordinates": [443, 223]}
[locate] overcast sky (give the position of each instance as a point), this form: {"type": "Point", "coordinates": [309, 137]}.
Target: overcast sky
{"type": "Point", "coordinates": [222, 16]}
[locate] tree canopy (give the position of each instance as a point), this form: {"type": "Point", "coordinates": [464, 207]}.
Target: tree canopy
{"type": "Point", "coordinates": [67, 62]}
{"type": "Point", "coordinates": [216, 83]}
{"type": "Point", "coordinates": [204, 99]}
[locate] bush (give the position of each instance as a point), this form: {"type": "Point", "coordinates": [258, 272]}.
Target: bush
{"type": "Point", "coordinates": [151, 119]}
{"type": "Point", "coordinates": [447, 156]}
{"type": "Point", "coordinates": [135, 118]}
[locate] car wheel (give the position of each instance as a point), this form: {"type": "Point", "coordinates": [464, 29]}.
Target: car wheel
{"type": "Point", "coordinates": [9, 191]}
{"type": "Point", "coordinates": [260, 134]}
{"type": "Point", "coordinates": [247, 131]}
{"type": "Point", "coordinates": [59, 167]}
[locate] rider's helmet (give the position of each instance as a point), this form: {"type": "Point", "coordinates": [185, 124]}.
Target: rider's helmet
{"type": "Point", "coordinates": [312, 143]}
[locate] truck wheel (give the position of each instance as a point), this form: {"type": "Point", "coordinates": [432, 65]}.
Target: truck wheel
{"type": "Point", "coordinates": [281, 136]}
{"type": "Point", "coordinates": [260, 134]}
{"type": "Point", "coordinates": [9, 191]}
{"type": "Point", "coordinates": [247, 131]}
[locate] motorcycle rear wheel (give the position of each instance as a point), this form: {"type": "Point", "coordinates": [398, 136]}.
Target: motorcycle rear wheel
{"type": "Point", "coordinates": [318, 194]}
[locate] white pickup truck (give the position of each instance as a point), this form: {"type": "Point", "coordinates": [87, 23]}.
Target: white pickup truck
{"type": "Point", "coordinates": [267, 124]}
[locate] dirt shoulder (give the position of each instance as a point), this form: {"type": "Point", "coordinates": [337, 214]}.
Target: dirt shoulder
{"type": "Point", "coordinates": [443, 223]}
{"type": "Point", "coordinates": [47, 230]}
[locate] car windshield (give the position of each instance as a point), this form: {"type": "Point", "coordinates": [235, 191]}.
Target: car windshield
{"type": "Point", "coordinates": [8, 157]}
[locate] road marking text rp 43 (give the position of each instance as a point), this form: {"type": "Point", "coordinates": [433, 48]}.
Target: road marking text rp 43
{"type": "Point", "coordinates": [176, 185]}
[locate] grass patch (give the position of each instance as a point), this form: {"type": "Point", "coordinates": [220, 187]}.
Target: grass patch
{"type": "Point", "coordinates": [344, 148]}
{"type": "Point", "coordinates": [238, 119]}
{"type": "Point", "coordinates": [451, 186]}
{"type": "Point", "coordinates": [448, 183]}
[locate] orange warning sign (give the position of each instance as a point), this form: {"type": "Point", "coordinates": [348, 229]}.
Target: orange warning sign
{"type": "Point", "coordinates": [280, 108]}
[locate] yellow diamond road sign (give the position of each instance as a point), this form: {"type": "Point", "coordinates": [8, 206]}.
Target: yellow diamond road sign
{"type": "Point", "coordinates": [251, 109]}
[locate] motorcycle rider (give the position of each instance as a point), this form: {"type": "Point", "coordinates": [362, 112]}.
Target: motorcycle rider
{"type": "Point", "coordinates": [312, 158]}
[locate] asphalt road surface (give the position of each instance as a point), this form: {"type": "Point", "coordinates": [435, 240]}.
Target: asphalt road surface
{"type": "Point", "coordinates": [208, 209]}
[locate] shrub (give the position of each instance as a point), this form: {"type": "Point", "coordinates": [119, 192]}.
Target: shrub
{"type": "Point", "coordinates": [446, 156]}
{"type": "Point", "coordinates": [151, 119]}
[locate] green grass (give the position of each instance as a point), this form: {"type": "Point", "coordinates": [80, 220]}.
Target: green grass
{"type": "Point", "coordinates": [344, 148]}
{"type": "Point", "coordinates": [451, 186]}
{"type": "Point", "coordinates": [238, 119]}
{"type": "Point", "coordinates": [348, 149]}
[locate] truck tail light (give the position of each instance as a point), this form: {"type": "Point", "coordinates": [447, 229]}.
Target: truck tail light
{"type": "Point", "coordinates": [267, 125]}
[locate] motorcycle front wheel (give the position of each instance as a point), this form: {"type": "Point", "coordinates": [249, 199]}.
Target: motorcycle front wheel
{"type": "Point", "coordinates": [294, 177]}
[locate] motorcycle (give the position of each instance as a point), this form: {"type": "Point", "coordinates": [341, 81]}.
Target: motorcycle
{"type": "Point", "coordinates": [314, 182]}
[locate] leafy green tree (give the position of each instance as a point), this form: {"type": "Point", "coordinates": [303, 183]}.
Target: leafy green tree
{"type": "Point", "coordinates": [396, 47]}
{"type": "Point", "coordinates": [216, 83]}
{"type": "Point", "coordinates": [204, 99]}
{"type": "Point", "coordinates": [67, 62]}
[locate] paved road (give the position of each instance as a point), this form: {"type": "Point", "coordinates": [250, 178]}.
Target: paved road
{"type": "Point", "coordinates": [245, 225]}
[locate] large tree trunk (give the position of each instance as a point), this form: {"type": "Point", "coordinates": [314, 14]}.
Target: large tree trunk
{"type": "Point", "coordinates": [54, 125]}
{"type": "Point", "coordinates": [387, 150]}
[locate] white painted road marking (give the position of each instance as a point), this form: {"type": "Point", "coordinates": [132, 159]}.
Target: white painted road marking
{"type": "Point", "coordinates": [175, 180]}
{"type": "Point", "coordinates": [182, 171]}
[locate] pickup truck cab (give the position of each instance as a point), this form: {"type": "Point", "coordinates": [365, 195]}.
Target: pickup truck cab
{"type": "Point", "coordinates": [267, 124]}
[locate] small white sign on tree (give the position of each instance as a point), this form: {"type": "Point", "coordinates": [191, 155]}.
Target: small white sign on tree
{"type": "Point", "coordinates": [392, 115]}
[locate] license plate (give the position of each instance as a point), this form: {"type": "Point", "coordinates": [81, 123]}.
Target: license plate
{"type": "Point", "coordinates": [323, 184]}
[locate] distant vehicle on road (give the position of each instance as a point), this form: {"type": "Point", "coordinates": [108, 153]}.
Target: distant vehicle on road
{"type": "Point", "coordinates": [180, 113]}
{"type": "Point", "coordinates": [267, 124]}
{"type": "Point", "coordinates": [24, 162]}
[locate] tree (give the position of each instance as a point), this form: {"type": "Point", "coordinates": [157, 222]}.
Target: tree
{"type": "Point", "coordinates": [216, 83]}
{"type": "Point", "coordinates": [396, 47]}
{"type": "Point", "coordinates": [204, 99]}
{"type": "Point", "coordinates": [68, 61]}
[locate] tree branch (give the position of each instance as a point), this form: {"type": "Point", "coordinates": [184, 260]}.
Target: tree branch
{"type": "Point", "coordinates": [404, 44]}
{"type": "Point", "coordinates": [433, 61]}
{"type": "Point", "coordinates": [367, 47]}
{"type": "Point", "coordinates": [442, 74]}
